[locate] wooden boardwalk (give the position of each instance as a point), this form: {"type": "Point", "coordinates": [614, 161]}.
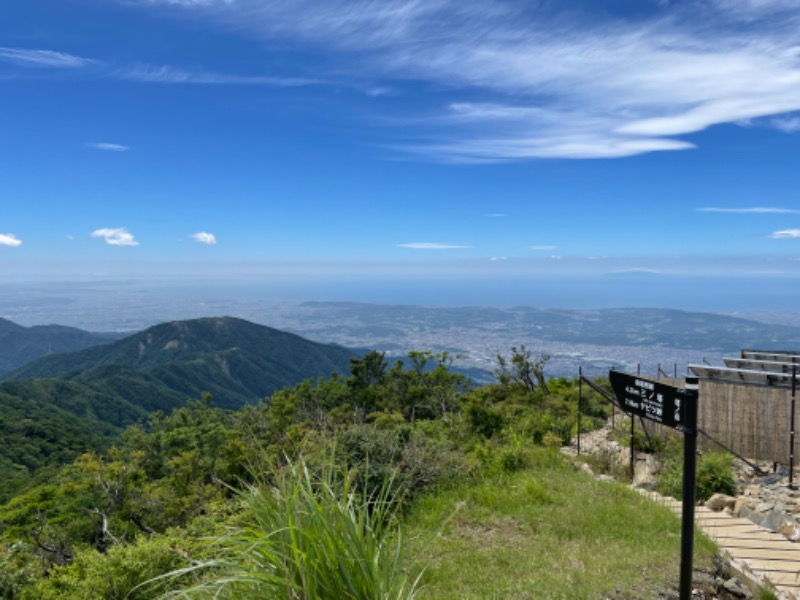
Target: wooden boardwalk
{"type": "Point", "coordinates": [756, 553]}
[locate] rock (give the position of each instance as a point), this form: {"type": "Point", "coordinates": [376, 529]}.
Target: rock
{"type": "Point", "coordinates": [752, 490]}
{"type": "Point", "coordinates": [741, 502]}
{"type": "Point", "coordinates": [606, 478]}
{"type": "Point", "coordinates": [645, 469]}
{"type": "Point", "coordinates": [765, 507]}
{"type": "Point", "coordinates": [771, 479]}
{"type": "Point", "coordinates": [748, 513]}
{"type": "Point", "coordinates": [734, 587]}
{"type": "Point", "coordinates": [585, 468]}
{"type": "Point", "coordinates": [719, 502]}
{"type": "Point", "coordinates": [790, 530]}
{"type": "Point", "coordinates": [774, 520]}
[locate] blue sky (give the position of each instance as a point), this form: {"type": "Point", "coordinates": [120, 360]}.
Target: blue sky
{"type": "Point", "coordinates": [265, 140]}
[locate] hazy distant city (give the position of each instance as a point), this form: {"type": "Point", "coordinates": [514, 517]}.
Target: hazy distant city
{"type": "Point", "coordinates": [573, 339]}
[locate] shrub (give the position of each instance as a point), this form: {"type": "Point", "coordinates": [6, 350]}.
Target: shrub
{"type": "Point", "coordinates": [122, 572]}
{"type": "Point", "coordinates": [714, 475]}
{"type": "Point", "coordinates": [311, 538]}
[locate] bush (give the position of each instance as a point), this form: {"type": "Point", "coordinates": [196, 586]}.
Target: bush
{"type": "Point", "coordinates": [714, 475]}
{"type": "Point", "coordinates": [122, 572]}
{"type": "Point", "coordinates": [410, 457]}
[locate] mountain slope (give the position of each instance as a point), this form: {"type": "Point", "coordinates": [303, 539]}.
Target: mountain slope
{"type": "Point", "coordinates": [237, 361]}
{"type": "Point", "coordinates": [59, 406]}
{"type": "Point", "coordinates": [49, 423]}
{"type": "Point", "coordinates": [20, 345]}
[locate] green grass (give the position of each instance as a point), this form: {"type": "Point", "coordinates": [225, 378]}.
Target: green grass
{"type": "Point", "coordinates": [310, 538]}
{"type": "Point", "coordinates": [546, 532]}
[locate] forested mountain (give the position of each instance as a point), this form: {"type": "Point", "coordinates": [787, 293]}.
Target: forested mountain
{"type": "Point", "coordinates": [235, 360]}
{"type": "Point", "coordinates": [62, 405]}
{"type": "Point", "coordinates": [20, 345]}
{"type": "Point", "coordinates": [48, 423]}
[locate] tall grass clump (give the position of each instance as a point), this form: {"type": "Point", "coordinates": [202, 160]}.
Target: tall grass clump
{"type": "Point", "coordinates": [311, 538]}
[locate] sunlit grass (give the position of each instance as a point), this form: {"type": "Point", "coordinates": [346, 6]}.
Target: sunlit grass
{"type": "Point", "coordinates": [311, 538]}
{"type": "Point", "coordinates": [547, 532]}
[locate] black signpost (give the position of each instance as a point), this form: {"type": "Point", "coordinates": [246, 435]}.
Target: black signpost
{"type": "Point", "coordinates": [675, 408]}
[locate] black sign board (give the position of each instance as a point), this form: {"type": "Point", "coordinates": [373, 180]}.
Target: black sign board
{"type": "Point", "coordinates": [652, 400]}
{"type": "Point", "coordinates": [676, 408]}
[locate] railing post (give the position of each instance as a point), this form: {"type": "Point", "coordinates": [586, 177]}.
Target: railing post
{"type": "Point", "coordinates": [580, 403]}
{"type": "Point", "coordinates": [791, 428]}
{"type": "Point", "coordinates": [633, 456]}
{"type": "Point", "coordinates": [689, 475]}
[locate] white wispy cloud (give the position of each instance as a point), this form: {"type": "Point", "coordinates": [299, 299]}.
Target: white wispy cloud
{"type": "Point", "coordinates": [497, 258]}
{"type": "Point", "coordinates": [786, 124]}
{"type": "Point", "coordinates": [110, 147]}
{"type": "Point", "coordinates": [636, 271]}
{"type": "Point", "coordinates": [183, 3]}
{"type": "Point", "coordinates": [42, 58]}
{"type": "Point", "coordinates": [785, 234]}
{"type": "Point", "coordinates": [169, 74]}
{"type": "Point", "coordinates": [204, 238]}
{"type": "Point", "coordinates": [752, 210]}
{"type": "Point", "coordinates": [9, 239]}
{"type": "Point", "coordinates": [496, 215]}
{"type": "Point", "coordinates": [542, 247]}
{"type": "Point", "coordinates": [119, 236]}
{"type": "Point", "coordinates": [432, 246]}
{"type": "Point", "coordinates": [535, 81]}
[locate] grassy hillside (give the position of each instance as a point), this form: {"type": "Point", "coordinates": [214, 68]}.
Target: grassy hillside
{"type": "Point", "coordinates": [547, 531]}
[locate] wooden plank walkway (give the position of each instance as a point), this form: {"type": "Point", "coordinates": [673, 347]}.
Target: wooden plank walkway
{"type": "Point", "coordinates": [757, 553]}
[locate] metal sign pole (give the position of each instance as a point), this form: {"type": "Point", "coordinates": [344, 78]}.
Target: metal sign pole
{"type": "Point", "coordinates": [580, 403]}
{"type": "Point", "coordinates": [633, 456]}
{"type": "Point", "coordinates": [689, 474]}
{"type": "Point", "coordinates": [676, 408]}
{"type": "Point", "coordinates": [791, 428]}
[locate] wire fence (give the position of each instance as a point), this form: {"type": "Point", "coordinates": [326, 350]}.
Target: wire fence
{"type": "Point", "coordinates": [752, 422]}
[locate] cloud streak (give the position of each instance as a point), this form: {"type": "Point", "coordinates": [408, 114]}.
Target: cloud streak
{"type": "Point", "coordinates": [753, 210]}
{"type": "Point", "coordinates": [785, 234]}
{"type": "Point", "coordinates": [432, 246]}
{"type": "Point", "coordinates": [533, 82]}
{"type": "Point", "coordinates": [109, 147]}
{"type": "Point", "coordinates": [171, 75]}
{"type": "Point", "coordinates": [9, 239]}
{"type": "Point", "coordinates": [119, 236]}
{"type": "Point", "coordinates": [43, 58]}
{"type": "Point", "coordinates": [183, 3]}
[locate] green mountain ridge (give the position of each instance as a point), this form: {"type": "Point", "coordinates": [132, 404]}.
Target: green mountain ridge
{"type": "Point", "coordinates": [61, 405]}
{"type": "Point", "coordinates": [20, 345]}
{"type": "Point", "coordinates": [237, 361]}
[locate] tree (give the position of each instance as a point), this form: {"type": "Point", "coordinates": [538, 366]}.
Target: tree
{"type": "Point", "coordinates": [523, 369]}
{"type": "Point", "coordinates": [367, 377]}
